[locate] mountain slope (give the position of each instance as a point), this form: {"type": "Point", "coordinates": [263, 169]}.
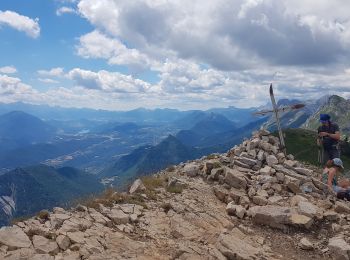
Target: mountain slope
{"type": "Point", "coordinates": [208, 125]}
{"type": "Point", "coordinates": [38, 187]}
{"type": "Point", "coordinates": [147, 159]}
{"type": "Point", "coordinates": [20, 128]}
{"type": "Point", "coordinates": [339, 110]}
{"type": "Point", "coordinates": [295, 118]}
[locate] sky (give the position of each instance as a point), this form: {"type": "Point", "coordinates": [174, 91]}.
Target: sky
{"type": "Point", "coordinates": [122, 54]}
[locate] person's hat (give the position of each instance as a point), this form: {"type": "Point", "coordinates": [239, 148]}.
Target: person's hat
{"type": "Point", "coordinates": [338, 162]}
{"type": "Point", "coordinates": [324, 118]}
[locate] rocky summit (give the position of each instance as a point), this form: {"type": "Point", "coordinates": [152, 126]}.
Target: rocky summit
{"type": "Point", "coordinates": [251, 203]}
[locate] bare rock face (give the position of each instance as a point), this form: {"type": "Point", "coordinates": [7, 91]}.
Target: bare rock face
{"type": "Point", "coordinates": [234, 246]}
{"type": "Point", "coordinates": [273, 216]}
{"type": "Point", "coordinates": [14, 238]}
{"type": "Point", "coordinates": [137, 186]}
{"type": "Point", "coordinates": [235, 179]}
{"type": "Point", "coordinates": [339, 248]}
{"type": "Point", "coordinates": [239, 205]}
{"type": "Point", "coordinates": [191, 170]}
{"type": "Point", "coordinates": [306, 244]}
{"type": "Point", "coordinates": [43, 245]}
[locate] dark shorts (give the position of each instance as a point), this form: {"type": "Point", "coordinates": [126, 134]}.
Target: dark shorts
{"type": "Point", "coordinates": [330, 154]}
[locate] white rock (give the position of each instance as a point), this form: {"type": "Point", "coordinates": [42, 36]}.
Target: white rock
{"type": "Point", "coordinates": [306, 244]}
{"type": "Point", "coordinates": [137, 186]}
{"type": "Point", "coordinates": [43, 245]}
{"type": "Point", "coordinates": [271, 160]}
{"type": "Point", "coordinates": [14, 237]}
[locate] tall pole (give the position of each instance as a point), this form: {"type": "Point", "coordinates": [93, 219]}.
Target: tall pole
{"type": "Point", "coordinates": [274, 106]}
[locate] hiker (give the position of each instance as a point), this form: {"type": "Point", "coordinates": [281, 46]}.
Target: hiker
{"type": "Point", "coordinates": [330, 176]}
{"type": "Point", "coordinates": [328, 139]}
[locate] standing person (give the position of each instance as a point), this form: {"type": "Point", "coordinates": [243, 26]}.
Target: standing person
{"type": "Point", "coordinates": [328, 138]}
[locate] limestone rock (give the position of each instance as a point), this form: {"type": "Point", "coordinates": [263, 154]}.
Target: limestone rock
{"type": "Point", "coordinates": [273, 216]}
{"type": "Point", "coordinates": [341, 207]}
{"type": "Point", "coordinates": [339, 248]}
{"type": "Point", "coordinates": [271, 160]}
{"type": "Point", "coordinates": [300, 220]}
{"type": "Point", "coordinates": [306, 244]}
{"type": "Point", "coordinates": [14, 238]}
{"type": "Point", "coordinates": [232, 246]}
{"type": "Point", "coordinates": [235, 179]}
{"type": "Point", "coordinates": [63, 242]}
{"type": "Point", "coordinates": [43, 245]}
{"type": "Point", "coordinates": [191, 170]}
{"type": "Point", "coordinates": [137, 186]}
{"type": "Point", "coordinates": [259, 200]}
{"type": "Point", "coordinates": [308, 209]}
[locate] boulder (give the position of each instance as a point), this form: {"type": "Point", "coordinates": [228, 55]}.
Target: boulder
{"type": "Point", "coordinates": [43, 245]}
{"type": "Point", "coordinates": [271, 160]}
{"type": "Point", "coordinates": [259, 200]}
{"type": "Point", "coordinates": [306, 244]}
{"type": "Point", "coordinates": [266, 170]}
{"type": "Point", "coordinates": [308, 209]}
{"type": "Point", "coordinates": [273, 216]}
{"type": "Point", "coordinates": [300, 221]}
{"type": "Point", "coordinates": [234, 246]}
{"type": "Point", "coordinates": [118, 216]}
{"type": "Point", "coordinates": [63, 242]}
{"type": "Point", "coordinates": [303, 171]}
{"type": "Point", "coordinates": [235, 179]}
{"type": "Point", "coordinates": [341, 207]}
{"type": "Point", "coordinates": [14, 238]}
{"type": "Point", "coordinates": [339, 248]}
{"type": "Point", "coordinates": [191, 169]}
{"type": "Point", "coordinates": [278, 217]}
{"type": "Point", "coordinates": [247, 161]}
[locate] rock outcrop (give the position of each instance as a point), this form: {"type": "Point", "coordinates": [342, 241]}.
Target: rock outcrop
{"type": "Point", "coordinates": [252, 203]}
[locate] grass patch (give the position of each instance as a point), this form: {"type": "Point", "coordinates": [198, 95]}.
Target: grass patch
{"type": "Point", "coordinates": [43, 214]}
{"type": "Point", "coordinates": [175, 189]}
{"type": "Point", "coordinates": [153, 182]}
{"type": "Point", "coordinates": [211, 156]}
{"type": "Point", "coordinates": [110, 197]}
{"type": "Point", "coordinates": [216, 165]}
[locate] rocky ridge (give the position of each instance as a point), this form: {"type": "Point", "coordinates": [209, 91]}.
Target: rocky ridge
{"type": "Point", "coordinates": [251, 203]}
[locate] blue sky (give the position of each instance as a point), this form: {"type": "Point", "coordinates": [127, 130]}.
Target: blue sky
{"type": "Point", "coordinates": [122, 55]}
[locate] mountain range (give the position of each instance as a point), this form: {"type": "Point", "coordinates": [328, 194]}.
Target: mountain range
{"type": "Point", "coordinates": [115, 147]}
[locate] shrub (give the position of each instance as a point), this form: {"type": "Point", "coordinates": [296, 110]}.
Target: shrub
{"type": "Point", "coordinates": [43, 214]}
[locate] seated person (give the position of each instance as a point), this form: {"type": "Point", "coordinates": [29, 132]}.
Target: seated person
{"type": "Point", "coordinates": [330, 176]}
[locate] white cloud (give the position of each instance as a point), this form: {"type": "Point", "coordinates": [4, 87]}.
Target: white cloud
{"type": "Point", "coordinates": [21, 23]}
{"type": "Point", "coordinates": [108, 81]}
{"type": "Point", "coordinates": [65, 10]}
{"type": "Point", "coordinates": [49, 81]}
{"type": "Point", "coordinates": [13, 89]}
{"type": "Point", "coordinates": [8, 70]}
{"type": "Point", "coordinates": [54, 72]}
{"type": "Point", "coordinates": [97, 45]}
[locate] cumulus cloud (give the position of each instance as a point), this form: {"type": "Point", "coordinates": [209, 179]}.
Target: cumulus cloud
{"type": "Point", "coordinates": [65, 10]}
{"type": "Point", "coordinates": [49, 81]}
{"type": "Point", "coordinates": [54, 72]}
{"type": "Point", "coordinates": [13, 89]}
{"type": "Point", "coordinates": [108, 81]}
{"type": "Point", "coordinates": [8, 70]}
{"type": "Point", "coordinates": [21, 23]}
{"type": "Point", "coordinates": [226, 34]}
{"type": "Point", "coordinates": [98, 45]}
